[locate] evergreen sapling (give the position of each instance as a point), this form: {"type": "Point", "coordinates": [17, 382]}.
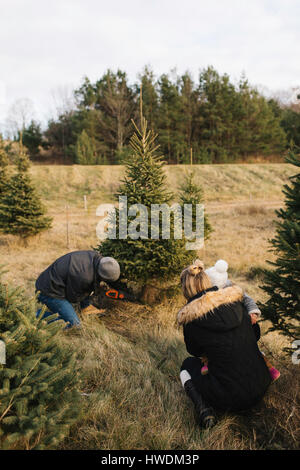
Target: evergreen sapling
{"type": "Point", "coordinates": [282, 284]}
{"type": "Point", "coordinates": [191, 193]}
{"type": "Point", "coordinates": [39, 400]}
{"type": "Point", "coordinates": [21, 212]}
{"type": "Point", "coordinates": [145, 258]}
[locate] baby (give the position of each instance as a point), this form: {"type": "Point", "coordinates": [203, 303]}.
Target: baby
{"type": "Point", "coordinates": [219, 277]}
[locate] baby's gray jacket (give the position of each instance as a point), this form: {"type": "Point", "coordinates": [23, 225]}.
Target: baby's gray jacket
{"type": "Point", "coordinates": [248, 302]}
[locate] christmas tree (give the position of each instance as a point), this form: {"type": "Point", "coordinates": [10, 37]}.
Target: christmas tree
{"type": "Point", "coordinates": [145, 258]}
{"type": "Point", "coordinates": [191, 193]}
{"type": "Point", "coordinates": [282, 283]}
{"type": "Point", "coordinates": [85, 150]}
{"type": "Point", "coordinates": [39, 380]}
{"type": "Point", "coordinates": [21, 212]}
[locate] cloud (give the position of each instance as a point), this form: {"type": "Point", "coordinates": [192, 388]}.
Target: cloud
{"type": "Point", "coordinates": [49, 44]}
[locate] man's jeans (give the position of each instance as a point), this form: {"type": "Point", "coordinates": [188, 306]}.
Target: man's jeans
{"type": "Point", "coordinates": [64, 308]}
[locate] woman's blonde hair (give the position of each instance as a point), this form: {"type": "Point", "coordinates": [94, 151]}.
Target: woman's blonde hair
{"type": "Point", "coordinates": [194, 280]}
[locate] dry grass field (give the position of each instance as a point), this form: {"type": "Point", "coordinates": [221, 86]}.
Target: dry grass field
{"type": "Point", "coordinates": [130, 358]}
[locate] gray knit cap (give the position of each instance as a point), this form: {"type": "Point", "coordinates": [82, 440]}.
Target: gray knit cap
{"type": "Point", "coordinates": [109, 269]}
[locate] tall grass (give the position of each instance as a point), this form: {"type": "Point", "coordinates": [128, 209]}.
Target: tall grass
{"type": "Point", "coordinates": [130, 359]}
{"type": "Point", "coordinates": [134, 400]}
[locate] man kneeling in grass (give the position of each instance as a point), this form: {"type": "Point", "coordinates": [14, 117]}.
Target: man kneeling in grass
{"type": "Point", "coordinates": [71, 279]}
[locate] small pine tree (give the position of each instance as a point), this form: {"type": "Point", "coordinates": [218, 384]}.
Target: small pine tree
{"type": "Point", "coordinates": [145, 183]}
{"type": "Point", "coordinates": [21, 212]}
{"type": "Point", "coordinates": [282, 284]}
{"type": "Point", "coordinates": [191, 193]}
{"type": "Point", "coordinates": [39, 400]}
{"type": "Point", "coordinates": [85, 152]}
{"type": "Point", "coordinates": [32, 138]}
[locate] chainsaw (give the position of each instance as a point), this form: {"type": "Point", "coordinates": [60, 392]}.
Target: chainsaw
{"type": "Point", "coordinates": [118, 291]}
{"type": "Point", "coordinates": [120, 295]}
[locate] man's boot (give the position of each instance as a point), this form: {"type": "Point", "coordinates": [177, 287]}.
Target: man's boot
{"type": "Point", "coordinates": [205, 415]}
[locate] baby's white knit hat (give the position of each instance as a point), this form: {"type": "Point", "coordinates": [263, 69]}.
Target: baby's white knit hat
{"type": "Point", "coordinates": [218, 273]}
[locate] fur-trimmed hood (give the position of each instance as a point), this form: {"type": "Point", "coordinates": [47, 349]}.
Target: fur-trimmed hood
{"type": "Point", "coordinates": [199, 307]}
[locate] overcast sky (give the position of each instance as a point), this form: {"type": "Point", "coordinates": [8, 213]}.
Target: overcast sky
{"type": "Point", "coordinates": [47, 44]}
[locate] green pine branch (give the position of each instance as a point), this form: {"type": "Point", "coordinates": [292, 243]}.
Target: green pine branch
{"type": "Point", "coordinates": [282, 282]}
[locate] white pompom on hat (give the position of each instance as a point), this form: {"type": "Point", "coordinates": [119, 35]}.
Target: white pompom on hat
{"type": "Point", "coordinates": [218, 273]}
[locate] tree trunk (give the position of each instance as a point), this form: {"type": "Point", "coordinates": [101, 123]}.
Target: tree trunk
{"type": "Point", "coordinates": [151, 295]}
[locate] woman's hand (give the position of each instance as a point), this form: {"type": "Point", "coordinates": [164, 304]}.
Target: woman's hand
{"type": "Point", "coordinates": [254, 318]}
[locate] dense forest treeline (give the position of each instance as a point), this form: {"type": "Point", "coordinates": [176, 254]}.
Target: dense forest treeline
{"type": "Point", "coordinates": [220, 121]}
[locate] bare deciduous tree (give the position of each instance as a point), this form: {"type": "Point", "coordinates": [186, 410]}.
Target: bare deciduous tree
{"type": "Point", "coordinates": [20, 113]}
{"type": "Point", "coordinates": [64, 100]}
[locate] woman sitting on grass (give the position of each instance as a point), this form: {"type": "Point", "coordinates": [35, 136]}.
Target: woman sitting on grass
{"type": "Point", "coordinates": [216, 325]}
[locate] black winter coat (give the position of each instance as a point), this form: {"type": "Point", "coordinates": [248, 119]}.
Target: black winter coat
{"type": "Point", "coordinates": [218, 326]}
{"type": "Point", "coordinates": [73, 276]}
